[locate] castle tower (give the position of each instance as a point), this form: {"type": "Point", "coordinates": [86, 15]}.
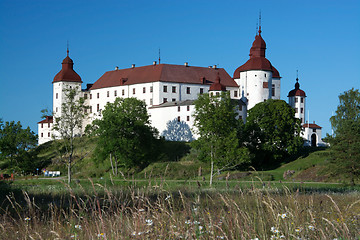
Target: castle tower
{"type": "Point", "coordinates": [216, 88]}
{"type": "Point", "coordinates": [258, 80]}
{"type": "Point", "coordinates": [67, 78]}
{"type": "Point", "coordinates": [297, 101]}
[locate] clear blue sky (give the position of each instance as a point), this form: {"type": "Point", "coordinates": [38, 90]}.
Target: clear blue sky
{"type": "Point", "coordinates": [319, 38]}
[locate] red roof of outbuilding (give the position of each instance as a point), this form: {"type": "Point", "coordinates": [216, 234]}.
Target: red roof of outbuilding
{"type": "Point", "coordinates": [67, 73]}
{"type": "Point", "coordinates": [311, 125]}
{"type": "Point", "coordinates": [163, 73]}
{"type": "Point", "coordinates": [48, 119]}
{"type": "Point", "coordinates": [257, 60]}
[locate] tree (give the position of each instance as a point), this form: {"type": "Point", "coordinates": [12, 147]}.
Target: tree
{"type": "Point", "coordinates": [177, 131]}
{"type": "Point", "coordinates": [125, 134]}
{"type": "Point", "coordinates": [218, 128]}
{"type": "Point", "coordinates": [345, 144]}
{"type": "Point", "coordinates": [16, 143]}
{"type": "Point", "coordinates": [68, 125]}
{"type": "Point", "coordinates": [272, 132]}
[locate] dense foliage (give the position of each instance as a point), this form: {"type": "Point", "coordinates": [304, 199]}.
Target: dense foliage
{"type": "Point", "coordinates": [219, 127]}
{"type": "Point", "coordinates": [125, 134]}
{"type": "Point", "coordinates": [272, 133]}
{"type": "Point", "coordinates": [17, 144]}
{"type": "Point", "coordinates": [345, 143]}
{"type": "Point", "coordinates": [177, 131]}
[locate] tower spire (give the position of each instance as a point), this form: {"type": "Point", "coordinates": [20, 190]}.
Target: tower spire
{"type": "Point", "coordinates": [260, 22]}
{"type": "Point", "coordinates": [159, 55]}
{"type": "Point", "coordinates": [67, 48]}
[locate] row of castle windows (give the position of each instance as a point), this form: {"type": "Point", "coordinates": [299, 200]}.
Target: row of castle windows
{"type": "Point", "coordinates": [42, 125]}
{"type": "Point", "coordinates": [187, 118]}
{"type": "Point", "coordinates": [301, 100]}
{"type": "Point", "coordinates": [42, 134]}
{"type": "Point", "coordinates": [301, 110]}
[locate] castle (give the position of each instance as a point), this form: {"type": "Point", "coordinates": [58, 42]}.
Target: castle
{"type": "Point", "coordinates": [169, 90]}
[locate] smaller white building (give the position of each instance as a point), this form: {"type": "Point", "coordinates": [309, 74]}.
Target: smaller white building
{"type": "Point", "coordinates": [297, 99]}
{"type": "Point", "coordinates": [312, 135]}
{"type": "Point", "coordinates": [45, 130]}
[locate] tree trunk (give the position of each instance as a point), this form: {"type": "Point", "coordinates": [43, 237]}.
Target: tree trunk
{"type": "Point", "coordinates": [211, 172]}
{"type": "Point", "coordinates": [116, 166]}
{"type": "Point", "coordinates": [112, 166]}
{"type": "Point", "coordinates": [69, 170]}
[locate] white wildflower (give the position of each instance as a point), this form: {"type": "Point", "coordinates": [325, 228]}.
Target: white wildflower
{"type": "Point", "coordinates": [167, 197]}
{"type": "Point", "coordinates": [274, 230]}
{"type": "Point", "coordinates": [27, 219]}
{"type": "Point", "coordinates": [149, 222]}
{"type": "Point", "coordinates": [78, 227]}
{"type": "Point", "coordinates": [311, 227]}
{"type": "Point", "coordinates": [187, 222]}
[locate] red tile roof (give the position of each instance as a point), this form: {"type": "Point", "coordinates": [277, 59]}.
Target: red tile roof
{"type": "Point", "coordinates": [217, 86]}
{"type": "Point", "coordinates": [297, 91]}
{"type": "Point", "coordinates": [67, 73]}
{"type": "Point", "coordinates": [311, 125]}
{"type": "Point", "coordinates": [163, 73]}
{"type": "Point", "coordinates": [48, 119]}
{"type": "Point", "coordinates": [257, 60]}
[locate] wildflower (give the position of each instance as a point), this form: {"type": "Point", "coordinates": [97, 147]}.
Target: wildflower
{"type": "Point", "coordinates": [297, 230]}
{"type": "Point", "coordinates": [201, 228]}
{"type": "Point", "coordinates": [78, 227]}
{"type": "Point", "coordinates": [141, 210]}
{"type": "Point", "coordinates": [282, 236]}
{"type": "Point", "coordinates": [187, 222]}
{"type": "Point", "coordinates": [134, 233]}
{"type": "Point", "coordinates": [274, 230]}
{"type": "Point", "coordinates": [196, 222]}
{"type": "Point", "coordinates": [101, 235]}
{"type": "Point", "coordinates": [149, 222]}
{"type": "Point", "coordinates": [167, 197]}
{"type": "Point", "coordinates": [72, 236]}
{"type": "Point", "coordinates": [283, 215]}
{"type": "Point", "coordinates": [220, 237]}
{"type": "Point", "coordinates": [311, 227]}
{"type": "Point", "coordinates": [195, 209]}
{"type": "Point", "coordinates": [27, 219]}
{"type": "Point", "coordinates": [254, 239]}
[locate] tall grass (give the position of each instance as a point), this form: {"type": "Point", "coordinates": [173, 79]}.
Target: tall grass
{"type": "Point", "coordinates": [152, 212]}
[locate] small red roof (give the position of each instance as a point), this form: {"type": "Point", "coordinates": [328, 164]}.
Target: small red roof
{"type": "Point", "coordinates": [311, 125]}
{"type": "Point", "coordinates": [217, 86]}
{"type": "Point", "coordinates": [48, 119]}
{"type": "Point", "coordinates": [163, 73]}
{"type": "Point", "coordinates": [257, 60]}
{"type": "Point", "coordinates": [297, 91]}
{"type": "Point", "coordinates": [67, 73]}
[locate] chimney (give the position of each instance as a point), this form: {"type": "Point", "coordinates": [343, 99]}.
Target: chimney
{"type": "Point", "coordinates": [154, 63]}
{"type": "Point", "coordinates": [214, 66]}
{"type": "Point", "coordinates": [116, 68]}
{"type": "Point", "coordinates": [314, 122]}
{"type": "Point", "coordinates": [210, 66]}
{"type": "Point", "coordinates": [132, 65]}
{"type": "Point", "coordinates": [186, 64]}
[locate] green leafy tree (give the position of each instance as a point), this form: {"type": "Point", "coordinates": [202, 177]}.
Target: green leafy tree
{"type": "Point", "coordinates": [345, 144]}
{"type": "Point", "coordinates": [177, 131]}
{"type": "Point", "coordinates": [125, 135]}
{"type": "Point", "coordinates": [219, 128]}
{"type": "Point", "coordinates": [16, 144]}
{"type": "Point", "coordinates": [68, 125]}
{"type": "Point", "coordinates": [272, 133]}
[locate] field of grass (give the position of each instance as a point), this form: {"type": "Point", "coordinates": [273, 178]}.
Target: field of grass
{"type": "Point", "coordinates": [176, 209]}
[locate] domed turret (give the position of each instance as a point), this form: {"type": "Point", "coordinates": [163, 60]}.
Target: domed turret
{"type": "Point", "coordinates": [217, 86]}
{"type": "Point", "coordinates": [67, 73]}
{"type": "Point", "coordinates": [297, 101]}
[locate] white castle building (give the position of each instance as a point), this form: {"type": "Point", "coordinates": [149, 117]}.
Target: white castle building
{"type": "Point", "coordinates": [170, 90]}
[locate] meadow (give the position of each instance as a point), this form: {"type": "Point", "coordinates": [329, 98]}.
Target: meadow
{"type": "Point", "coordinates": [177, 209]}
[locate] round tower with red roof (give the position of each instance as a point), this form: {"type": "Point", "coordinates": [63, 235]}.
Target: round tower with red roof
{"type": "Point", "coordinates": [297, 101]}
{"type": "Point", "coordinates": [67, 78]}
{"type": "Point", "coordinates": [258, 80]}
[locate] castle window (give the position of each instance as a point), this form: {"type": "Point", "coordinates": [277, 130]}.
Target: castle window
{"type": "Point", "coordinates": [178, 108]}
{"type": "Point", "coordinates": [188, 90]}
{"type": "Point", "coordinates": [301, 120]}
{"type": "Point", "coordinates": [302, 100]}
{"type": "Point", "coordinates": [201, 90]}
{"type": "Point", "coordinates": [240, 107]}
{"type": "Point", "coordinates": [42, 135]}
{"type": "Point", "coordinates": [151, 101]}
{"type": "Point", "coordinates": [144, 90]}
{"type": "Point", "coordinates": [90, 109]}
{"type": "Point", "coordinates": [211, 94]}
{"type": "Point", "coordinates": [57, 95]}
{"type": "Point", "coordinates": [314, 130]}
{"type": "Point", "coordinates": [174, 99]}
{"type": "Point", "coordinates": [42, 125]}
{"type": "Point", "coordinates": [273, 90]}
{"type": "Point", "coordinates": [178, 118]}
{"type": "Point", "coordinates": [255, 75]}
{"type": "Point", "coordinates": [165, 100]}
{"type": "Point", "coordinates": [265, 74]}
{"type": "Point", "coordinates": [174, 89]}
{"type": "Point", "coordinates": [48, 125]}
{"type": "Point", "coordinates": [217, 94]}
{"type": "Point", "coordinates": [133, 90]}
{"type": "Point", "coordinates": [115, 93]}
{"type": "Point", "coordinates": [165, 88]}
{"type": "Point", "coordinates": [235, 93]}
{"type": "Point", "coordinates": [187, 108]}
{"type": "Point", "coordinates": [240, 117]}
{"type": "Point", "coordinates": [98, 107]}
{"type": "Point", "coordinates": [56, 109]}
{"type": "Point", "coordinates": [151, 89]}
{"type": "Point", "coordinates": [302, 110]}
{"type": "Point", "coordinates": [296, 110]}
{"type": "Point", "coordinates": [123, 92]}
{"type": "Point", "coordinates": [85, 96]}
{"type": "Point", "coordinates": [48, 134]}
{"type": "Point", "coordinates": [265, 85]}
{"type": "Point", "coordinates": [108, 94]}
{"type": "Point", "coordinates": [187, 118]}
{"type": "Point", "coordinates": [98, 95]}
{"type": "Point", "coordinates": [296, 100]}
{"type": "Point", "coordinates": [90, 96]}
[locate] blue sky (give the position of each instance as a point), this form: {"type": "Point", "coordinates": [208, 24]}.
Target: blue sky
{"type": "Point", "coordinates": [319, 38]}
